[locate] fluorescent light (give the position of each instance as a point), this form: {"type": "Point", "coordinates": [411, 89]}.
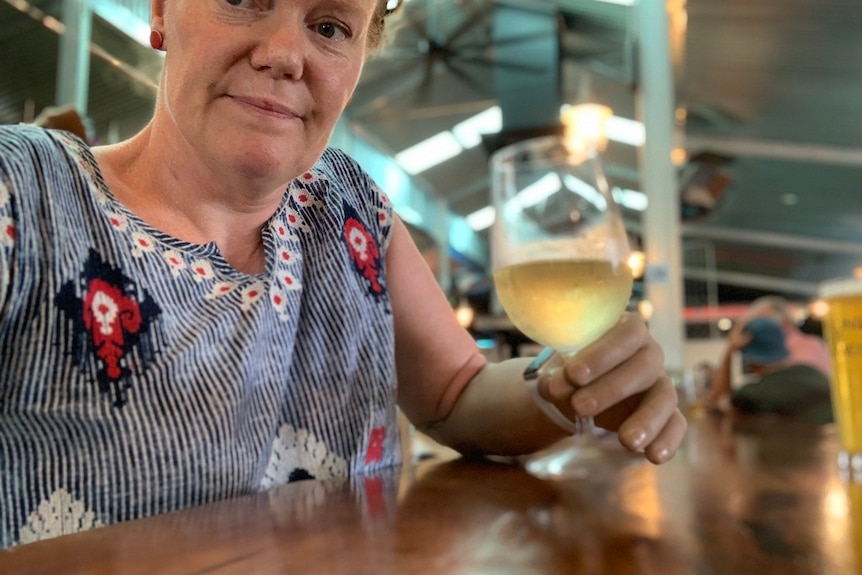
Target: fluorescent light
{"type": "Point", "coordinates": [541, 189]}
{"type": "Point", "coordinates": [446, 145]}
{"type": "Point", "coordinates": [482, 219]}
{"type": "Point", "coordinates": [123, 20]}
{"type": "Point", "coordinates": [619, 2]}
{"type": "Point", "coordinates": [631, 199]}
{"type": "Point", "coordinates": [544, 187]}
{"type": "Point", "coordinates": [586, 191]}
{"type": "Point", "coordinates": [625, 131]}
{"type": "Point", "coordinates": [469, 132]}
{"type": "Point", "coordinates": [409, 215]}
{"type": "Point", "coordinates": [428, 153]}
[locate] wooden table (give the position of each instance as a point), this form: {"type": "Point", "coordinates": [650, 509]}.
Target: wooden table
{"type": "Point", "coordinates": [755, 496]}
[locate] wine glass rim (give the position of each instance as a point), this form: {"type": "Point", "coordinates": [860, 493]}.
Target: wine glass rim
{"type": "Point", "coordinates": [507, 153]}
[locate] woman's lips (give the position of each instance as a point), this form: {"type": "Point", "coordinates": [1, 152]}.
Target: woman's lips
{"type": "Point", "coordinates": [267, 106]}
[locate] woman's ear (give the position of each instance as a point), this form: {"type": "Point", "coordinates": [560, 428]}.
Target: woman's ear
{"type": "Point", "coordinates": [157, 14]}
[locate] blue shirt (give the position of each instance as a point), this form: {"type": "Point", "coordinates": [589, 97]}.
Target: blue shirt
{"type": "Point", "coordinates": [141, 374]}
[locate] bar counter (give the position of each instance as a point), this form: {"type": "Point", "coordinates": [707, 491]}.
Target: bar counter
{"type": "Point", "coordinates": [757, 496]}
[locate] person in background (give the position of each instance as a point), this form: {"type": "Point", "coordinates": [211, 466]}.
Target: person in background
{"type": "Point", "coordinates": [804, 348]}
{"type": "Point", "coordinates": [222, 303]}
{"type": "Point", "coordinates": [782, 386]}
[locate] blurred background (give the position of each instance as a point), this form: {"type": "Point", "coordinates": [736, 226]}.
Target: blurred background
{"type": "Point", "coordinates": [762, 147]}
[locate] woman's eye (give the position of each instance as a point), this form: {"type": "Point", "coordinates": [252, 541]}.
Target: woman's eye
{"type": "Point", "coordinates": [247, 4]}
{"type": "Point", "coordinates": [332, 31]}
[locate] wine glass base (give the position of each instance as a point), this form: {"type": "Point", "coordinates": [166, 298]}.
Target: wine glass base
{"type": "Point", "coordinates": [581, 457]}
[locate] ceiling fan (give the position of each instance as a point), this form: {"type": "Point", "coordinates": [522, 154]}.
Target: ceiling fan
{"type": "Point", "coordinates": [455, 36]}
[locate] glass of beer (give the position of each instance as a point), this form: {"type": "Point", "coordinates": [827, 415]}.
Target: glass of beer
{"type": "Point", "coordinates": [842, 326]}
{"type": "Point", "coordinates": [560, 261]}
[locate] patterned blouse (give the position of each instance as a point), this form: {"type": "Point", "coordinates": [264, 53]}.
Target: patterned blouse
{"type": "Point", "coordinates": [141, 374]}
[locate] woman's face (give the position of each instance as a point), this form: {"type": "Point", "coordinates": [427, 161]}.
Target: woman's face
{"type": "Point", "coordinates": [257, 85]}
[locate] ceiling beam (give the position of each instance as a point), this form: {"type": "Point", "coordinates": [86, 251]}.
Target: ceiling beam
{"type": "Point", "coordinates": [478, 185]}
{"type": "Point", "coordinates": [770, 239]}
{"type": "Point", "coordinates": [778, 150]}
{"type": "Point", "coordinates": [426, 112]}
{"type": "Point", "coordinates": [761, 282]}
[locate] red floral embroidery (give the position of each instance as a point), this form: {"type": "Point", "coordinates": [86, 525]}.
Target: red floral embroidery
{"type": "Point", "coordinates": [108, 317]}
{"type": "Point", "coordinates": [109, 320]}
{"type": "Point", "coordinates": [374, 453]}
{"type": "Point", "coordinates": [375, 497]}
{"type": "Point", "coordinates": [364, 253]}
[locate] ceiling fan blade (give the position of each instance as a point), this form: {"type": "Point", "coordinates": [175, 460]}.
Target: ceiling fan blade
{"type": "Point", "coordinates": [469, 79]}
{"type": "Point", "coordinates": [423, 90]}
{"type": "Point", "coordinates": [508, 65]}
{"type": "Point", "coordinates": [470, 22]}
{"type": "Point", "coordinates": [507, 41]}
{"type": "Point", "coordinates": [396, 53]}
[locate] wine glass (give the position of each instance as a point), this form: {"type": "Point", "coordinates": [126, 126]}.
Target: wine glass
{"type": "Point", "coordinates": [560, 261]}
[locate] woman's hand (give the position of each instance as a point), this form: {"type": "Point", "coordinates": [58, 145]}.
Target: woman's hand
{"type": "Point", "coordinates": [620, 380]}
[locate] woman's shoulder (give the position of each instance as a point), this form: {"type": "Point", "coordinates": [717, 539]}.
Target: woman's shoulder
{"type": "Point", "coordinates": [25, 144]}
{"type": "Point", "coordinates": [29, 134]}
{"type": "Point", "coordinates": [340, 166]}
{"type": "Point", "coordinates": [349, 177]}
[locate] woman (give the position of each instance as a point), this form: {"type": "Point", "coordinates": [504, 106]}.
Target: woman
{"type": "Point", "coordinates": [221, 304]}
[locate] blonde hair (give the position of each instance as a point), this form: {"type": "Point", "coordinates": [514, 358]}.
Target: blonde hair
{"type": "Point", "coordinates": [378, 21]}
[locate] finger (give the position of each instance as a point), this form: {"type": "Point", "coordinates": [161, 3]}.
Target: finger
{"type": "Point", "coordinates": [553, 388]}
{"type": "Point", "coordinates": [635, 375]}
{"type": "Point", "coordinates": [620, 342]}
{"type": "Point", "coordinates": [649, 418]}
{"type": "Point", "coordinates": [665, 446]}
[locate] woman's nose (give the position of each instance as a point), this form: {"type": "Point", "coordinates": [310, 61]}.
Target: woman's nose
{"type": "Point", "coordinates": [282, 49]}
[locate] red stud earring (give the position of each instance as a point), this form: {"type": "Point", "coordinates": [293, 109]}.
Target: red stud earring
{"type": "Point", "coordinates": [156, 40]}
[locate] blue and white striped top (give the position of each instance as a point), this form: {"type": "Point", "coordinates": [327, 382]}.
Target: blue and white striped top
{"type": "Point", "coordinates": [141, 374]}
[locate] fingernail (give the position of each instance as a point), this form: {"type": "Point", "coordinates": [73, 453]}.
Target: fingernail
{"type": "Point", "coordinates": [637, 439]}
{"type": "Point", "coordinates": [663, 455]}
{"type": "Point", "coordinates": [578, 373]}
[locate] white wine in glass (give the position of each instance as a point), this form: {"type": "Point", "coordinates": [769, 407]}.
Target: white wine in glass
{"type": "Point", "coordinates": [560, 260]}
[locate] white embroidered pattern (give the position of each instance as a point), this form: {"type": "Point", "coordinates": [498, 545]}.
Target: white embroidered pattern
{"type": "Point", "coordinates": [5, 196]}
{"type": "Point", "coordinates": [60, 514]}
{"type": "Point", "coordinates": [289, 257]}
{"type": "Point", "coordinates": [7, 224]}
{"type": "Point", "coordinates": [298, 451]}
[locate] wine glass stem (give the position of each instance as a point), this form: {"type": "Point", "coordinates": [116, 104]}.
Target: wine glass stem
{"type": "Point", "coordinates": [584, 426]}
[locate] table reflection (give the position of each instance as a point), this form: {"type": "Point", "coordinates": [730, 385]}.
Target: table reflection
{"type": "Point", "coordinates": [743, 496]}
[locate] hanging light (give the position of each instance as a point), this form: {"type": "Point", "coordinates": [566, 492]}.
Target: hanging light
{"type": "Point", "coordinates": [585, 128]}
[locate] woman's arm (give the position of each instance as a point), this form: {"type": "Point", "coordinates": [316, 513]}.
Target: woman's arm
{"type": "Point", "coordinates": [446, 389]}
{"type": "Point", "coordinates": [436, 360]}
